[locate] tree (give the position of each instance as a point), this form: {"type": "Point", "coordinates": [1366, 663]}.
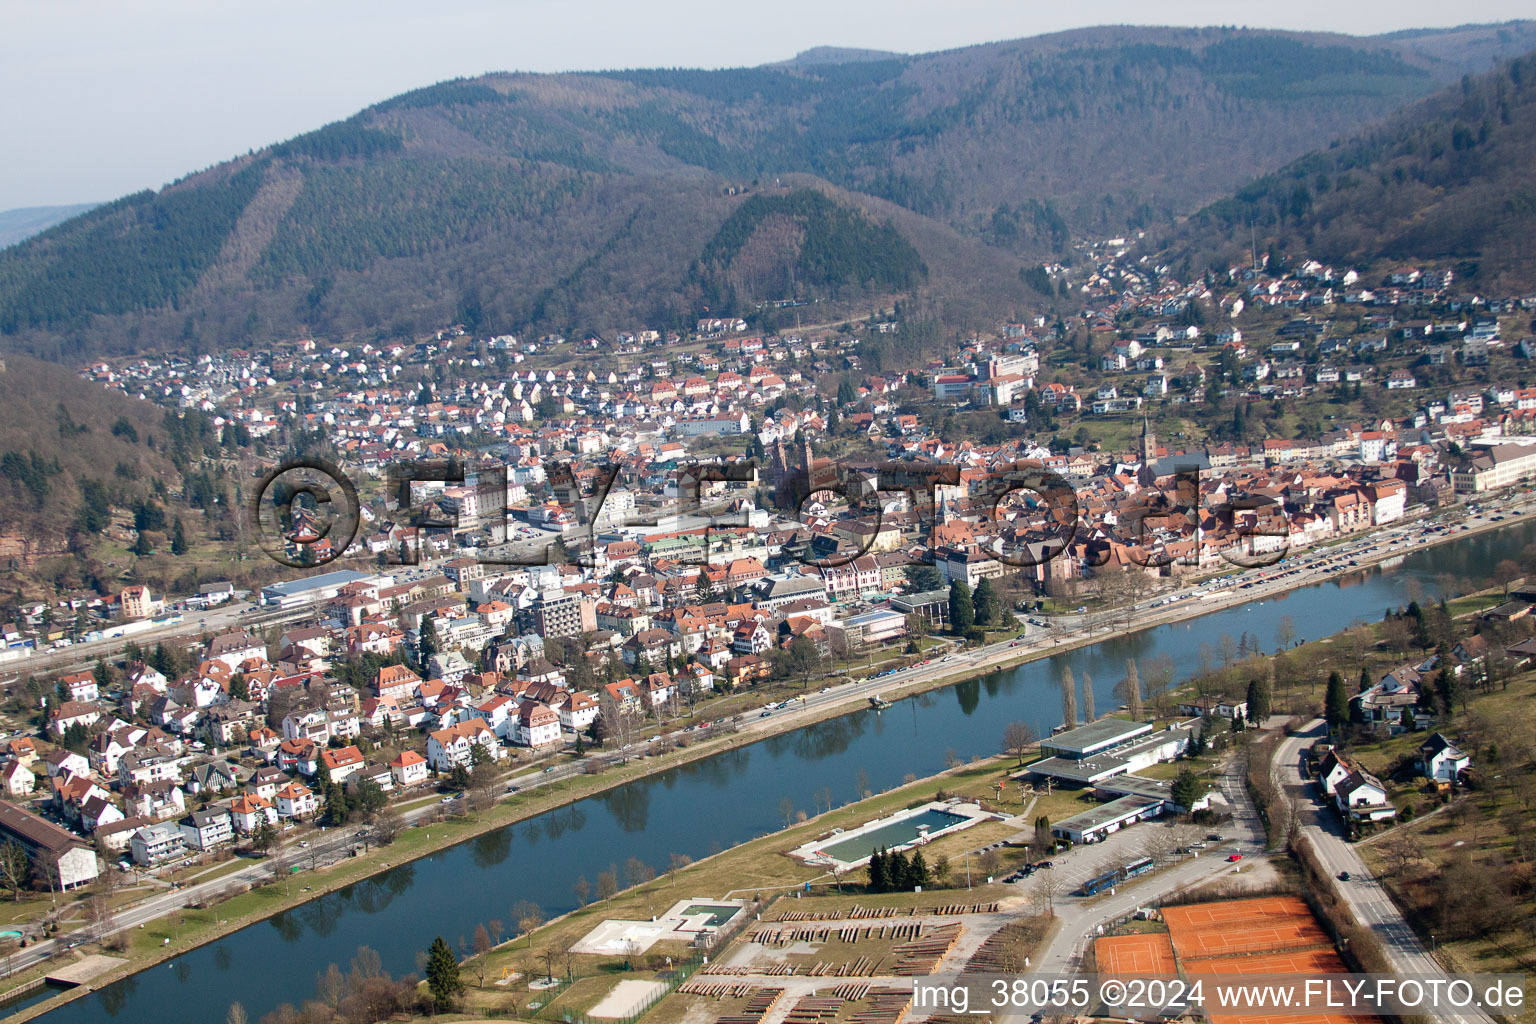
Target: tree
{"type": "Point", "coordinates": [1448, 686]}
{"type": "Point", "coordinates": [607, 884]}
{"type": "Point", "coordinates": [236, 1014]}
{"type": "Point", "coordinates": [1258, 700]}
{"type": "Point", "coordinates": [1186, 789]}
{"type": "Point", "coordinates": [1128, 690]}
{"type": "Point", "coordinates": [962, 613]}
{"type": "Point", "coordinates": [846, 397]}
{"type": "Point", "coordinates": [917, 870]}
{"type": "Point", "coordinates": [898, 872]}
{"type": "Point", "coordinates": [1088, 712]}
{"type": "Point", "coordinates": [703, 589]}
{"type": "Point", "coordinates": [426, 642]}
{"type": "Point", "coordinates": [1505, 573]}
{"type": "Point", "coordinates": [1043, 841]}
{"type": "Point", "coordinates": [1068, 696]}
{"type": "Point", "coordinates": [1336, 703]}
{"type": "Point", "coordinates": [178, 538]}
{"type": "Point", "coordinates": [922, 578]}
{"type": "Point", "coordinates": [14, 868]}
{"type": "Point", "coordinates": [387, 826]}
{"type": "Point", "coordinates": [1285, 633]}
{"type": "Point", "coordinates": [878, 882]}
{"type": "Point", "coordinates": [526, 917]}
{"type": "Point", "coordinates": [1017, 737]}
{"type": "Point", "coordinates": [616, 722]}
{"type": "Point", "coordinates": [989, 609]}
{"type": "Point", "coordinates": [443, 975]}
{"type": "Point", "coordinates": [582, 889]}
{"type": "Point", "coordinates": [637, 872]}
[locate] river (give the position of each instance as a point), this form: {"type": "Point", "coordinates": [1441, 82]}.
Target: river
{"type": "Point", "coordinates": [717, 802]}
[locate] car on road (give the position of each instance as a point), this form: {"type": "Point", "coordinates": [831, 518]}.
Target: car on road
{"type": "Point", "coordinates": [1343, 876]}
{"type": "Point", "coordinates": [826, 689]}
{"type": "Point", "coordinates": [549, 771]}
{"type": "Point", "coordinates": [1214, 837]}
{"type": "Point", "coordinates": [1234, 857]}
{"type": "Point", "coordinates": [765, 714]}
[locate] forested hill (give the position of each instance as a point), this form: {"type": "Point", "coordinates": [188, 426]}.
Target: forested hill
{"type": "Point", "coordinates": [1452, 179]}
{"type": "Point", "coordinates": [589, 202]}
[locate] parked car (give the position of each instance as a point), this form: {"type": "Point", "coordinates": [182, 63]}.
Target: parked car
{"type": "Point", "coordinates": [1234, 857]}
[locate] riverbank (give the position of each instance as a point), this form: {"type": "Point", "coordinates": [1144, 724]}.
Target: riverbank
{"type": "Point", "coordinates": [203, 927]}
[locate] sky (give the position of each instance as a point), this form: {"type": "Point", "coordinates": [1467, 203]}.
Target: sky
{"type": "Point", "coordinates": [99, 98]}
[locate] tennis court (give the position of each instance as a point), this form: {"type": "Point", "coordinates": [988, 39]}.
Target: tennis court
{"type": "Point", "coordinates": [1310, 962]}
{"type": "Point", "coordinates": [1268, 924]}
{"type": "Point", "coordinates": [1291, 1018]}
{"type": "Point", "coordinates": [1135, 954]}
{"type": "Point", "coordinates": [1271, 935]}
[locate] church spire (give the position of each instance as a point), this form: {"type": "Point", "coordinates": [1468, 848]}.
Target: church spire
{"type": "Point", "coordinates": [1148, 442]}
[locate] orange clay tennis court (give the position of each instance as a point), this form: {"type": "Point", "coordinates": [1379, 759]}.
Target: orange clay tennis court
{"type": "Point", "coordinates": [1135, 954]}
{"type": "Point", "coordinates": [1264, 925]}
{"type": "Point", "coordinates": [1268, 935]}
{"type": "Point", "coordinates": [1310, 962]}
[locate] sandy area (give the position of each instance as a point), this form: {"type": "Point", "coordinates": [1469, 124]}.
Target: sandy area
{"type": "Point", "coordinates": [626, 998]}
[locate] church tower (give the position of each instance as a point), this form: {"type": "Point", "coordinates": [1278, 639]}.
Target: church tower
{"type": "Point", "coordinates": [1148, 443]}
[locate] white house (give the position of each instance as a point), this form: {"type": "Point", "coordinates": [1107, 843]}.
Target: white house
{"type": "Point", "coordinates": [1362, 796]}
{"type": "Point", "coordinates": [296, 800]}
{"type": "Point", "coordinates": [409, 769]}
{"type": "Point", "coordinates": [454, 745]}
{"type": "Point", "coordinates": [537, 725]}
{"type": "Point", "coordinates": [206, 829]}
{"type": "Point", "coordinates": [158, 842]}
{"type": "Point", "coordinates": [1440, 759]}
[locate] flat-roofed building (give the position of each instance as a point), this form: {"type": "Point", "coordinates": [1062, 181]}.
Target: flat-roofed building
{"type": "Point", "coordinates": [932, 605]}
{"type": "Point", "coordinates": [1097, 822]}
{"type": "Point", "coordinates": [1094, 738]}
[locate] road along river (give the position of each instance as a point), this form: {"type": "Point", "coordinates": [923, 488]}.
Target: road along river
{"type": "Point", "coordinates": [719, 801]}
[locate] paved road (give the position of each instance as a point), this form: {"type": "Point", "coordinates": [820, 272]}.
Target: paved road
{"type": "Point", "coordinates": [1366, 897]}
{"type": "Point", "coordinates": [1081, 917]}
{"type": "Point", "coordinates": [1184, 603]}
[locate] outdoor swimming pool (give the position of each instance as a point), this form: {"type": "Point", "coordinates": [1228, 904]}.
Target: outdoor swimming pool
{"type": "Point", "coordinates": [718, 913]}
{"type": "Point", "coordinates": [891, 834]}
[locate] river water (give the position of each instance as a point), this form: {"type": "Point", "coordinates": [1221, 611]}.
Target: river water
{"type": "Point", "coordinates": [718, 802]}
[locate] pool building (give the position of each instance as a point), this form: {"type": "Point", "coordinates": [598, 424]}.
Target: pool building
{"type": "Point", "coordinates": [1104, 756]}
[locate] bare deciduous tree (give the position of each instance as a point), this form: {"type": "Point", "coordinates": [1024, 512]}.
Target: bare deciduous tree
{"type": "Point", "coordinates": [1017, 739]}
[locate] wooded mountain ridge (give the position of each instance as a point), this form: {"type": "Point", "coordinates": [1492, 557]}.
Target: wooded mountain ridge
{"type": "Point", "coordinates": [1451, 179]}
{"type": "Point", "coordinates": [598, 201]}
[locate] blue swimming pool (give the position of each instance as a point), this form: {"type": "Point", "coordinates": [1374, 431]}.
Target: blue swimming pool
{"type": "Point", "coordinates": [892, 834]}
